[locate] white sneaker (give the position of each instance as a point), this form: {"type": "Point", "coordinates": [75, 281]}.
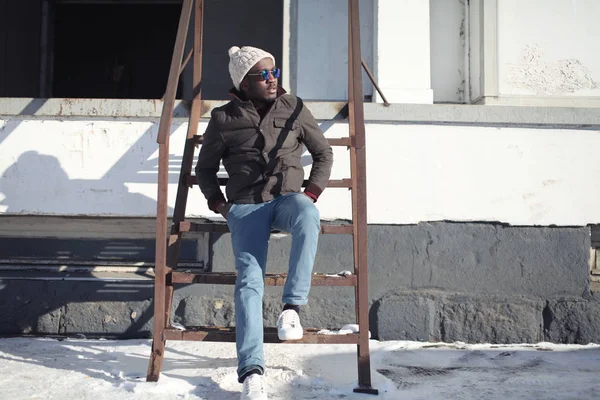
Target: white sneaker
{"type": "Point", "coordinates": [254, 388]}
{"type": "Point", "coordinates": [288, 326]}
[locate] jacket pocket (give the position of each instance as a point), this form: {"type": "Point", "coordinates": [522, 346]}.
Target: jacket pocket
{"type": "Point", "coordinates": [293, 175]}
{"type": "Point", "coordinates": [286, 132]}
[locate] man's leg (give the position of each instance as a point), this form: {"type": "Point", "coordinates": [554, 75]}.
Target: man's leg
{"type": "Point", "coordinates": [296, 213]}
{"type": "Point", "coordinates": [250, 226]}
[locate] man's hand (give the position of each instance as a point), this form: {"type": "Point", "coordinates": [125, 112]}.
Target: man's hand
{"type": "Point", "coordinates": [223, 209]}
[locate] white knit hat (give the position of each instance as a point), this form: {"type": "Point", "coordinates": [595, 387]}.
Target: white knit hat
{"type": "Point", "coordinates": [242, 60]}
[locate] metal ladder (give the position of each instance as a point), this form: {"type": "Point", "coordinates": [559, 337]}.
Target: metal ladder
{"type": "Point", "coordinates": [168, 245]}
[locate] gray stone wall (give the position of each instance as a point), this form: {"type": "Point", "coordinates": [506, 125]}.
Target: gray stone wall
{"type": "Point", "coordinates": [441, 281]}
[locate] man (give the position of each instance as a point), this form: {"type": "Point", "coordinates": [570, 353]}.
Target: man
{"type": "Point", "coordinates": [259, 136]}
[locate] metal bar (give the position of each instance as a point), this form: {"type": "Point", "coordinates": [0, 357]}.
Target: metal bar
{"type": "Point", "coordinates": [228, 278]}
{"type": "Point", "coordinates": [187, 161]}
{"type": "Point", "coordinates": [197, 74]}
{"type": "Point", "coordinates": [359, 194]}
{"type": "Point", "coordinates": [174, 247]}
{"type": "Point", "coordinates": [186, 61]}
{"type": "Point", "coordinates": [372, 78]}
{"type": "Point", "coordinates": [190, 181]}
{"type": "Point", "coordinates": [169, 103]}
{"type": "Point", "coordinates": [218, 334]}
{"type": "Point", "coordinates": [186, 226]}
{"type": "Point", "coordinates": [340, 142]}
{"type": "Point", "coordinates": [332, 142]}
{"type": "Point", "coordinates": [160, 299]}
{"type": "Point", "coordinates": [158, 343]}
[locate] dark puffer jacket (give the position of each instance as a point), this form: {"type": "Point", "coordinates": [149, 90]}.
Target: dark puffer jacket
{"type": "Point", "coordinates": [262, 158]}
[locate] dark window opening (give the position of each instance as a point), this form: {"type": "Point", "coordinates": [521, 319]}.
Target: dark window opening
{"type": "Point", "coordinates": [113, 51]}
{"type": "Point", "coordinates": [109, 49]}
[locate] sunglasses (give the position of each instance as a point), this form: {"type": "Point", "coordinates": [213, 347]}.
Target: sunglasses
{"type": "Point", "coordinates": [264, 74]}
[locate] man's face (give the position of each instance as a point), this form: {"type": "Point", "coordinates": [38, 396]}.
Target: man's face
{"type": "Point", "coordinates": [255, 87]}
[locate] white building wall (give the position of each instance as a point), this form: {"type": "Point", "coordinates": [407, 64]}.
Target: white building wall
{"type": "Point", "coordinates": [549, 47]}
{"type": "Point", "coordinates": [538, 52]}
{"type": "Point", "coordinates": [448, 34]}
{"type": "Point", "coordinates": [403, 45]}
{"type": "Point", "coordinates": [322, 48]}
{"type": "Point", "coordinates": [474, 47]}
{"type": "Point", "coordinates": [415, 172]}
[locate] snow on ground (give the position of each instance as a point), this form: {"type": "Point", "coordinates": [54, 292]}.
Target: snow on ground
{"type": "Point", "coordinates": [105, 369]}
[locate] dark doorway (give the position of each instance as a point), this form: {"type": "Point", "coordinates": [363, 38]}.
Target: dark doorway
{"type": "Point", "coordinates": [113, 50]}
{"type": "Point", "coordinates": [123, 49]}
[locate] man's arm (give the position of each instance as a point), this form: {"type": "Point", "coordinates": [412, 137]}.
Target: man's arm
{"type": "Point", "coordinates": [320, 150]}
{"type": "Point", "coordinates": [209, 160]}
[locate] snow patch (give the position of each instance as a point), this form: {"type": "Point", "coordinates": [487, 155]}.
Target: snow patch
{"type": "Point", "coordinates": [107, 370]}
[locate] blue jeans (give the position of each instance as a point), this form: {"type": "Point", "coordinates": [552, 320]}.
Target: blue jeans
{"type": "Point", "coordinates": [250, 226]}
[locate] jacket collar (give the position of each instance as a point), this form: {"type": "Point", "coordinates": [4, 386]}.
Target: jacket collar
{"type": "Point", "coordinates": [239, 95]}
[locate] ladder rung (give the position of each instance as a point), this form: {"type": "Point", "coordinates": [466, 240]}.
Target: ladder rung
{"type": "Point", "coordinates": [228, 278]}
{"type": "Point", "coordinates": [346, 141]}
{"type": "Point", "coordinates": [190, 181]}
{"type": "Point", "coordinates": [224, 334]}
{"type": "Point", "coordinates": [185, 226]}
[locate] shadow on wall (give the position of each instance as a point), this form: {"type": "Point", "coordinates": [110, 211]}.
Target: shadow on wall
{"type": "Point", "coordinates": [85, 304]}
{"type": "Point", "coordinates": [10, 126]}
{"type": "Point", "coordinates": [36, 179]}
{"type": "Point", "coordinates": [77, 196]}
{"type": "Point", "coordinates": [88, 306]}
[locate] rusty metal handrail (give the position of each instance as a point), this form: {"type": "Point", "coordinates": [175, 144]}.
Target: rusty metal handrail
{"type": "Point", "coordinates": [356, 123]}
{"type": "Point", "coordinates": [169, 104]}
{"type": "Point", "coordinates": [160, 298]}
{"type": "Point", "coordinates": [372, 78]}
{"type": "Point", "coordinates": [167, 251]}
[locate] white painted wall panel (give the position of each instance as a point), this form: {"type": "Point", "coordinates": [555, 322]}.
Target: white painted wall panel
{"type": "Point", "coordinates": [415, 173]}
{"type": "Point", "coordinates": [403, 51]}
{"type": "Point", "coordinates": [322, 48]}
{"type": "Point", "coordinates": [549, 47]}
{"type": "Point", "coordinates": [447, 50]}
{"type": "Point", "coordinates": [475, 51]}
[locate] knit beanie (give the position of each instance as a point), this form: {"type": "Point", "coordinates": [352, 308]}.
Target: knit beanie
{"type": "Point", "coordinates": [242, 60]}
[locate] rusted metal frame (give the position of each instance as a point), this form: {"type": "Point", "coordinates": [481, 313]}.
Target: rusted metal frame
{"type": "Point", "coordinates": [225, 334]}
{"type": "Point", "coordinates": [344, 229]}
{"type": "Point", "coordinates": [372, 78]}
{"type": "Point", "coordinates": [187, 226]}
{"type": "Point", "coordinates": [333, 142]}
{"type": "Point", "coordinates": [169, 99]}
{"type": "Point", "coordinates": [190, 181]}
{"type": "Point", "coordinates": [340, 142]}
{"type": "Point", "coordinates": [186, 61]}
{"type": "Point", "coordinates": [187, 161]}
{"type": "Point", "coordinates": [359, 195]}
{"type": "Point", "coordinates": [228, 278]}
{"type": "Point", "coordinates": [174, 247]}
{"type": "Point", "coordinates": [160, 298]}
